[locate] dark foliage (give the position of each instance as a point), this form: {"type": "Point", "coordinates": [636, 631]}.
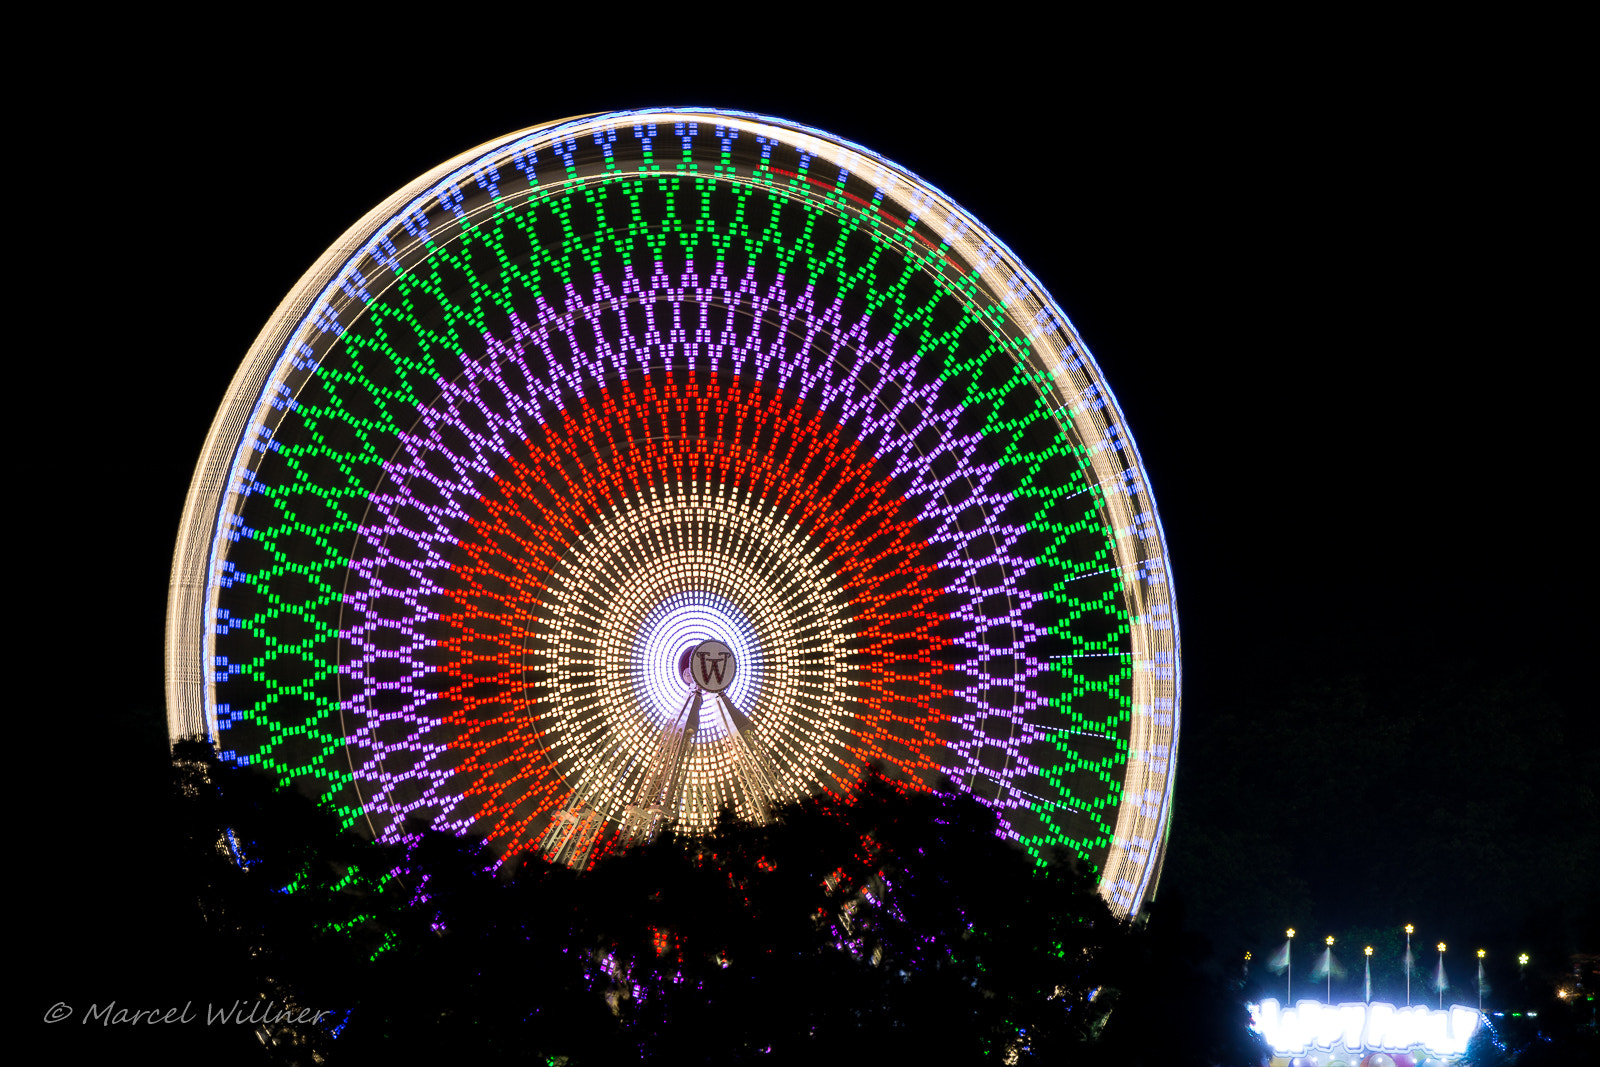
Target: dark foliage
{"type": "Point", "coordinates": [886, 925]}
{"type": "Point", "coordinates": [1553, 1030]}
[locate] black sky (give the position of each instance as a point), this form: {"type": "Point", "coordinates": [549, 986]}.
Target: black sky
{"type": "Point", "coordinates": [1334, 293]}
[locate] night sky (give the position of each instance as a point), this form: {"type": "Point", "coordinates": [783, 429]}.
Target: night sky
{"type": "Point", "coordinates": [1333, 301]}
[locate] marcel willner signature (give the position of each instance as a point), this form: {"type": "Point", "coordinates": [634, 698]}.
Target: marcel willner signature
{"type": "Point", "coordinates": [258, 1012]}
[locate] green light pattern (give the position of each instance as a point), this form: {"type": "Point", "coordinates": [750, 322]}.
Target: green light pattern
{"type": "Point", "coordinates": [278, 638]}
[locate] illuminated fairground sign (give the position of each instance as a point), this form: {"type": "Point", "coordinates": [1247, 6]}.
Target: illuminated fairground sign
{"type": "Point", "coordinates": [1358, 1028]}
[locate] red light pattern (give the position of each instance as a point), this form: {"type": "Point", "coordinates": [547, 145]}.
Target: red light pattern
{"type": "Point", "coordinates": [637, 435]}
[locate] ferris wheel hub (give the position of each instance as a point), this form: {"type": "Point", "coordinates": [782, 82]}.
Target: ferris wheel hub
{"type": "Point", "coordinates": [709, 665]}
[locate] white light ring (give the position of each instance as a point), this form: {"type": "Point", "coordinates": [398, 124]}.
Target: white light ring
{"type": "Point", "coordinates": [786, 631]}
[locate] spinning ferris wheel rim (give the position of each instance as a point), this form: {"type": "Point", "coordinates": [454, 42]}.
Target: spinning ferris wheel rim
{"type": "Point", "coordinates": [953, 239]}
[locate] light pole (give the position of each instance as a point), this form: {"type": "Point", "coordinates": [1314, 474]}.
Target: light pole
{"type": "Point", "coordinates": [1440, 983]}
{"type": "Point", "coordinates": [1330, 968]}
{"type": "Point", "coordinates": [1368, 951]}
{"type": "Point", "coordinates": [1288, 969]}
{"type": "Point", "coordinates": [1481, 954]}
{"type": "Point", "coordinates": [1409, 928]}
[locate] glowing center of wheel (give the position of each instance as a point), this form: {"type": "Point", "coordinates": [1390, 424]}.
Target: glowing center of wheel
{"type": "Point", "coordinates": [710, 665]}
{"type": "Point", "coordinates": [670, 633]}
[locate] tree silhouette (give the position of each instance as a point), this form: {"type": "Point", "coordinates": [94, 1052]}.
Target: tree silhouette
{"type": "Point", "coordinates": [882, 923]}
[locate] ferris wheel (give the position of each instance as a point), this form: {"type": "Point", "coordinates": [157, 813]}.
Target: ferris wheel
{"type": "Point", "coordinates": [642, 465]}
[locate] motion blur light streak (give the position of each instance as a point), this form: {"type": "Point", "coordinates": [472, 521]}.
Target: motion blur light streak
{"type": "Point", "coordinates": [599, 391]}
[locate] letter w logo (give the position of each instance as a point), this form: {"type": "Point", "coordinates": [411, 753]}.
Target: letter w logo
{"type": "Point", "coordinates": [712, 667]}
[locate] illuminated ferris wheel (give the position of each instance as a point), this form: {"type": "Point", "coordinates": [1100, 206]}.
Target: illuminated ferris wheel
{"type": "Point", "coordinates": [646, 464]}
